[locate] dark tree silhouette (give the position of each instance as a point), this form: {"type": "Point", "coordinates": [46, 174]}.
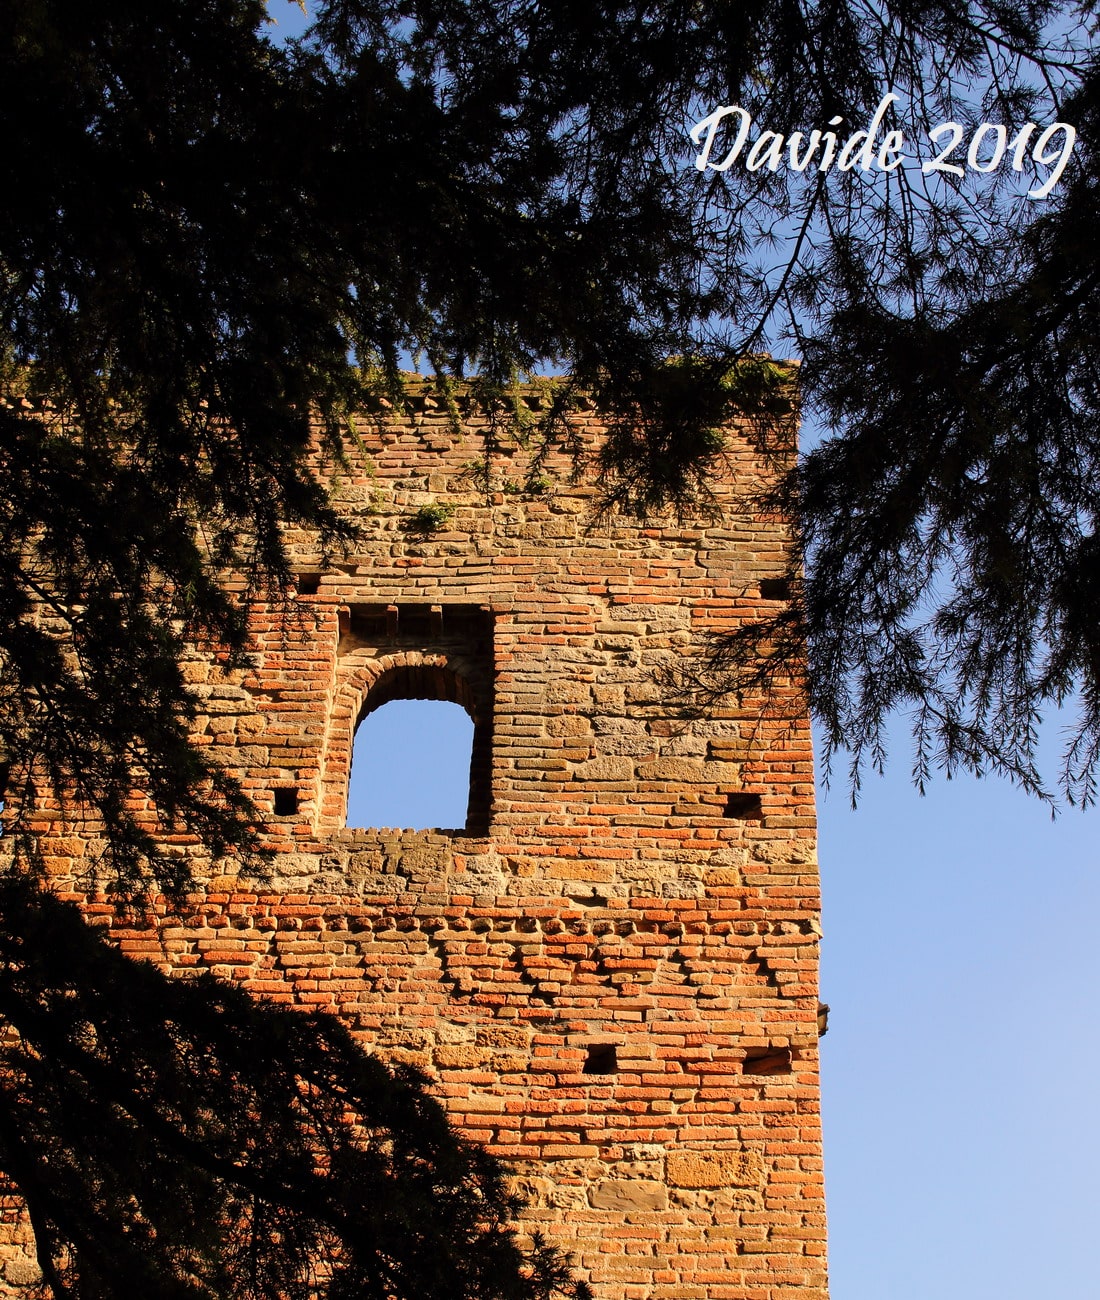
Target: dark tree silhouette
{"type": "Point", "coordinates": [201, 230]}
{"type": "Point", "coordinates": [212, 249]}
{"type": "Point", "coordinates": [176, 1137]}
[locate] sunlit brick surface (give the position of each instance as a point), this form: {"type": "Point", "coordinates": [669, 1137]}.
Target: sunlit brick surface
{"type": "Point", "coordinates": [613, 980]}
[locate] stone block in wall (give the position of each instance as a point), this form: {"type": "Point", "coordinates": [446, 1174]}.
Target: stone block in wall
{"type": "Point", "coordinates": [698, 1169]}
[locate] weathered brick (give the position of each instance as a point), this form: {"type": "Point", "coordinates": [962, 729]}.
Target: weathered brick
{"type": "Point", "coordinates": [587, 965]}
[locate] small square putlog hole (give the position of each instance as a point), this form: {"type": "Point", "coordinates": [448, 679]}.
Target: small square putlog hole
{"type": "Point", "coordinates": [743, 806]}
{"type": "Point", "coordinates": [308, 584]}
{"type": "Point", "coordinates": [286, 801]}
{"type": "Point", "coordinates": [775, 589]}
{"type": "Point", "coordinates": [602, 1059]}
{"type": "Point", "coordinates": [767, 1060]}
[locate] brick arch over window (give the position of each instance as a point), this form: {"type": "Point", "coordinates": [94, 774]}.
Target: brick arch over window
{"type": "Point", "coordinates": [408, 675]}
{"type": "Point", "coordinates": [431, 679]}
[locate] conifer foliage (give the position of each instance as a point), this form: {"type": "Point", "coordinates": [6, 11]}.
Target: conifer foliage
{"type": "Point", "coordinates": [203, 230]}
{"type": "Point", "coordinates": [213, 248]}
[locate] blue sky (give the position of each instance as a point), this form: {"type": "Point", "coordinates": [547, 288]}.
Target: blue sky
{"type": "Point", "coordinates": [962, 1140]}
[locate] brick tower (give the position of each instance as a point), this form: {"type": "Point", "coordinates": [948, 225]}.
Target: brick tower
{"type": "Point", "coordinates": [610, 973]}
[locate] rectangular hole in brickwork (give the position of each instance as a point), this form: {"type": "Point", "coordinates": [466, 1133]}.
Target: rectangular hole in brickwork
{"type": "Point", "coordinates": [743, 806]}
{"type": "Point", "coordinates": [308, 584]}
{"type": "Point", "coordinates": [286, 801]}
{"type": "Point", "coordinates": [774, 589]}
{"type": "Point", "coordinates": [767, 1060]}
{"type": "Point", "coordinates": [423, 626]}
{"type": "Point", "coordinates": [602, 1058]}
{"type": "Point", "coordinates": [590, 898]}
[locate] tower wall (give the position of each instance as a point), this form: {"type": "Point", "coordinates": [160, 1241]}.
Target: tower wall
{"type": "Point", "coordinates": [610, 975]}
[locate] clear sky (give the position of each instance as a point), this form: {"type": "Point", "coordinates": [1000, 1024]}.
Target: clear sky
{"type": "Point", "coordinates": [962, 1137]}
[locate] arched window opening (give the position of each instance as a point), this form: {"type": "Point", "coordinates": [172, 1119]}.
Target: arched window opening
{"type": "Point", "coordinates": [436, 665]}
{"type": "Point", "coordinates": [411, 767]}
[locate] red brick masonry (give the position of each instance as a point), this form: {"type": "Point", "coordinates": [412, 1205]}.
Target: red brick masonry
{"type": "Point", "coordinates": [612, 977]}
